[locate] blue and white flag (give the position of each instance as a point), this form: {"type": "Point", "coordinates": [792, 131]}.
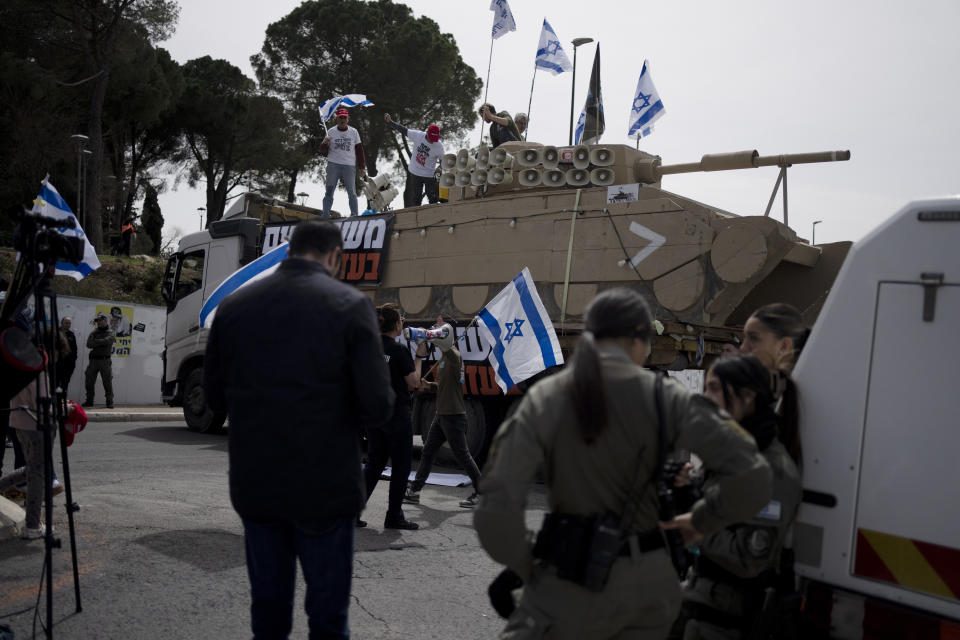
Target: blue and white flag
{"type": "Point", "coordinates": [519, 332]}
{"type": "Point", "coordinates": [550, 55]}
{"type": "Point", "coordinates": [578, 130]}
{"type": "Point", "coordinates": [502, 18]}
{"type": "Point", "coordinates": [647, 106]}
{"type": "Point", "coordinates": [256, 270]}
{"type": "Point", "coordinates": [328, 108]}
{"type": "Point", "coordinates": [50, 204]}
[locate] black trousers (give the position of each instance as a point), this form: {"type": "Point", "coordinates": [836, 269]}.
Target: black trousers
{"type": "Point", "coordinates": [452, 429]}
{"type": "Point", "coordinates": [393, 440]}
{"type": "Point", "coordinates": [413, 194]}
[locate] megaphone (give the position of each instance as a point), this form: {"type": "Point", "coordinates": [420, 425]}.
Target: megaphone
{"type": "Point", "coordinates": [448, 162]}
{"type": "Point", "coordinates": [581, 156]}
{"type": "Point", "coordinates": [499, 157]}
{"type": "Point", "coordinates": [442, 337]}
{"type": "Point", "coordinates": [603, 176]}
{"type": "Point", "coordinates": [602, 156]}
{"type": "Point", "coordinates": [464, 161]}
{"type": "Point", "coordinates": [551, 157]}
{"type": "Point", "coordinates": [530, 157]}
{"type": "Point", "coordinates": [463, 179]}
{"type": "Point", "coordinates": [554, 178]}
{"type": "Point", "coordinates": [483, 157]}
{"type": "Point", "coordinates": [497, 175]}
{"type": "Point", "coordinates": [448, 180]}
{"type": "Point", "coordinates": [372, 186]}
{"type": "Point", "coordinates": [578, 177]}
{"type": "Point", "coordinates": [386, 197]}
{"type": "Point", "coordinates": [530, 177]}
{"type": "Point", "coordinates": [478, 177]}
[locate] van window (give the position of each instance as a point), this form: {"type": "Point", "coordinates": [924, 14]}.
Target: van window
{"type": "Point", "coordinates": [191, 274]}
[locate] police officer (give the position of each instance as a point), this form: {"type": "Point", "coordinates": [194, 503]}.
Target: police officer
{"type": "Point", "coordinates": [100, 343]}
{"type": "Point", "coordinates": [593, 429]}
{"type": "Point", "coordinates": [733, 588]}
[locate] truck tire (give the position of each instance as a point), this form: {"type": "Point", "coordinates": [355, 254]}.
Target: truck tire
{"type": "Point", "coordinates": [199, 416]}
{"type": "Point", "coordinates": [426, 408]}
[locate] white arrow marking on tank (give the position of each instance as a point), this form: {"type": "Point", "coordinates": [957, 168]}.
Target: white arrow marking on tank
{"type": "Point", "coordinates": [656, 241]}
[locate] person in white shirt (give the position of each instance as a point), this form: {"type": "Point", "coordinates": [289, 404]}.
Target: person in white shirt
{"type": "Point", "coordinates": [344, 153]}
{"type": "Point", "coordinates": [421, 170]}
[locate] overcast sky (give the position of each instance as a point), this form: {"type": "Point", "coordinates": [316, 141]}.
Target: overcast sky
{"type": "Point", "coordinates": [876, 77]}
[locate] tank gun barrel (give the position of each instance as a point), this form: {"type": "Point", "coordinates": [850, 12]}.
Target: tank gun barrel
{"type": "Point", "coordinates": [650, 168]}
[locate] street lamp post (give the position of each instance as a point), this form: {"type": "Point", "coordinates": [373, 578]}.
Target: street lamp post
{"type": "Point", "coordinates": [813, 233]}
{"type": "Point", "coordinates": [303, 195]}
{"type": "Point", "coordinates": [83, 199]}
{"type": "Point", "coordinates": [81, 141]}
{"type": "Point", "coordinates": [200, 210]}
{"type": "Point", "coordinates": [576, 43]}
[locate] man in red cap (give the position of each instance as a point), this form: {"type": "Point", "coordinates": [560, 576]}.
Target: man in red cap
{"type": "Point", "coordinates": [344, 153]}
{"type": "Point", "coordinates": [421, 170]}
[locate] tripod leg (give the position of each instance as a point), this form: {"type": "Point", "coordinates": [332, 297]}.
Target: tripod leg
{"type": "Point", "coordinates": [71, 508]}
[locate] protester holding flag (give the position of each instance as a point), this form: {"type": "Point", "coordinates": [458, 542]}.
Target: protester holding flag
{"type": "Point", "coordinates": [597, 431]}
{"type": "Point", "coordinates": [345, 156]}
{"type": "Point", "coordinates": [502, 127]}
{"type": "Point", "coordinates": [421, 170]}
{"type": "Point", "coordinates": [450, 422]}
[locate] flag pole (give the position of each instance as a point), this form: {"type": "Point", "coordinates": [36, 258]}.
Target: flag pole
{"type": "Point", "coordinates": [486, 87]}
{"type": "Point", "coordinates": [530, 101]}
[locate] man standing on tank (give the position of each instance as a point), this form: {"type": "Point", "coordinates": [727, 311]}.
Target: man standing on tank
{"type": "Point", "coordinates": [502, 127]}
{"type": "Point", "coordinates": [345, 156]}
{"type": "Point", "coordinates": [421, 171]}
{"type": "Point", "coordinates": [297, 400]}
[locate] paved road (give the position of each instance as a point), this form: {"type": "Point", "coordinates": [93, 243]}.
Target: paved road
{"type": "Point", "coordinates": [161, 551]}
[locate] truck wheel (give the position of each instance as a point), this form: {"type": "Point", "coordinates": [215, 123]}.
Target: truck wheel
{"type": "Point", "coordinates": [199, 416]}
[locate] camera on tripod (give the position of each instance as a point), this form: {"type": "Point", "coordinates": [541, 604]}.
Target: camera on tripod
{"type": "Point", "coordinates": [39, 238]}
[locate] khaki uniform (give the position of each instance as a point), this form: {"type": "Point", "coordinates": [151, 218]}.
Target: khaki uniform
{"type": "Point", "coordinates": [642, 596]}
{"type": "Point", "coordinates": [745, 551]}
{"type": "Point", "coordinates": [100, 343]}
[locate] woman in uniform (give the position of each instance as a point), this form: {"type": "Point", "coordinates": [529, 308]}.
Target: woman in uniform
{"type": "Point", "coordinates": [735, 573]}
{"type": "Point", "coordinates": [594, 430]}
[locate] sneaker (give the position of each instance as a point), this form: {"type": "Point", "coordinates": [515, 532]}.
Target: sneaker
{"type": "Point", "coordinates": [29, 533]}
{"type": "Point", "coordinates": [360, 524]}
{"type": "Point", "coordinates": [88, 403]}
{"type": "Point", "coordinates": [400, 523]}
{"type": "Point", "coordinates": [471, 502]}
{"type": "Point", "coordinates": [109, 405]}
{"type": "Point", "coordinates": [56, 487]}
{"type": "Point", "coordinates": [411, 496]}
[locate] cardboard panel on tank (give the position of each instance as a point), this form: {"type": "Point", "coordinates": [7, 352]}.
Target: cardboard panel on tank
{"type": "Point", "coordinates": [456, 270]}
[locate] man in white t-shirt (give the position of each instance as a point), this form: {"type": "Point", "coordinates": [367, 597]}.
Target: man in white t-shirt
{"type": "Point", "coordinates": [421, 170]}
{"type": "Point", "coordinates": [344, 153]}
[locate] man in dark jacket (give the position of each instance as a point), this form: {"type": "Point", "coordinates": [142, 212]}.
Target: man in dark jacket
{"type": "Point", "coordinates": [297, 398]}
{"type": "Point", "coordinates": [100, 342]}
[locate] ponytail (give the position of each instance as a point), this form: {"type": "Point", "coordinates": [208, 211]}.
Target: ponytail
{"type": "Point", "coordinates": [589, 400]}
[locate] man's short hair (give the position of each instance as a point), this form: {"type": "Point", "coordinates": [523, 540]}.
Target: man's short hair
{"type": "Point", "coordinates": [315, 236]}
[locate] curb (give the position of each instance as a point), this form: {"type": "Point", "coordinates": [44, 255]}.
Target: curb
{"type": "Point", "coordinates": [133, 416]}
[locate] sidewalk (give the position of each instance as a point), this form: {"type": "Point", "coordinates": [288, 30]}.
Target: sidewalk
{"type": "Point", "coordinates": [135, 413]}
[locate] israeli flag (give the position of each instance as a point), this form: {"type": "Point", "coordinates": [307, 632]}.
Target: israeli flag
{"type": "Point", "coordinates": [502, 18]}
{"type": "Point", "coordinates": [328, 108]}
{"type": "Point", "coordinates": [50, 204]}
{"type": "Point", "coordinates": [578, 130]}
{"type": "Point", "coordinates": [519, 332]}
{"type": "Point", "coordinates": [550, 55]}
{"type": "Point", "coordinates": [256, 270]}
{"type": "Point", "coordinates": [647, 106]}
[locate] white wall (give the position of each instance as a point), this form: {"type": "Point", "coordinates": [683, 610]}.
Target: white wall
{"type": "Point", "coordinates": [136, 378]}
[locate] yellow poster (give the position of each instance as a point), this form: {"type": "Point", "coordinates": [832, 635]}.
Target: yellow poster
{"type": "Point", "coordinates": [120, 319]}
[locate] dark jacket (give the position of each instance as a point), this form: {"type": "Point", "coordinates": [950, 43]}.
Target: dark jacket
{"type": "Point", "coordinates": [295, 360]}
{"type": "Point", "coordinates": [100, 342]}
{"type": "Point", "coordinates": [72, 341]}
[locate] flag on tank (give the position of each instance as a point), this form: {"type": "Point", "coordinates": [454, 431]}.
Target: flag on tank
{"type": "Point", "coordinates": [502, 18]}
{"type": "Point", "coordinates": [521, 337]}
{"type": "Point", "coordinates": [256, 270]}
{"type": "Point", "coordinates": [647, 107]}
{"type": "Point", "coordinates": [593, 124]}
{"type": "Point", "coordinates": [550, 55]}
{"type": "Point", "coordinates": [328, 108]}
{"type": "Point", "coordinates": [50, 204]}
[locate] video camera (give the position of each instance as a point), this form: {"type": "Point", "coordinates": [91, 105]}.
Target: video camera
{"type": "Point", "coordinates": [39, 237]}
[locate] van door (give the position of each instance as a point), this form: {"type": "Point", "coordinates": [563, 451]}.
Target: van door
{"type": "Point", "coordinates": [910, 445]}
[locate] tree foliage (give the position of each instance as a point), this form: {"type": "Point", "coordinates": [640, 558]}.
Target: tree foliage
{"type": "Point", "coordinates": [230, 130]}
{"type": "Point", "coordinates": [404, 65]}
